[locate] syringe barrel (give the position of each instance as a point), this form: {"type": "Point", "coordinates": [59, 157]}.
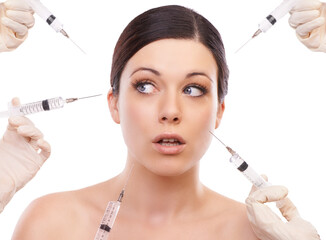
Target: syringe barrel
{"type": "Point", "coordinates": [108, 220]}
{"type": "Point", "coordinates": [45, 14]}
{"type": "Point", "coordinates": [35, 107]}
{"type": "Point", "coordinates": [257, 180]}
{"type": "Point", "coordinates": [283, 9]}
{"type": "Point", "coordinates": [276, 14]}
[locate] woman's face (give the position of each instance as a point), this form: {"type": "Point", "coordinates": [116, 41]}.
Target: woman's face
{"type": "Point", "coordinates": [167, 104]}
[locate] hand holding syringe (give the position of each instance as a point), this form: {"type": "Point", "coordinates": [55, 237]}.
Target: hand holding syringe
{"type": "Point", "coordinates": [279, 12]}
{"type": "Point", "coordinates": [35, 107]}
{"type": "Point", "coordinates": [47, 16]}
{"type": "Point", "coordinates": [265, 223]}
{"type": "Point", "coordinates": [257, 180]}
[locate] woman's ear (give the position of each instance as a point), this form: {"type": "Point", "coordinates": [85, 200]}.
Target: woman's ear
{"type": "Point", "coordinates": [219, 115]}
{"type": "Point", "coordinates": [113, 106]}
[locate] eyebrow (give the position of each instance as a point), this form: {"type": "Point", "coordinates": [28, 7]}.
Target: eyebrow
{"type": "Point", "coordinates": [157, 73]}
{"type": "Point", "coordinates": [146, 69]}
{"type": "Point", "coordinates": [198, 74]}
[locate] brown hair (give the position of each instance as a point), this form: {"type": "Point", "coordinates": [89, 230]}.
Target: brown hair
{"type": "Point", "coordinates": [168, 22]}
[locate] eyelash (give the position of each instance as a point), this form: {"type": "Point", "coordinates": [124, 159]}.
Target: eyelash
{"type": "Point", "coordinates": [198, 86]}
{"type": "Point", "coordinates": [140, 82]}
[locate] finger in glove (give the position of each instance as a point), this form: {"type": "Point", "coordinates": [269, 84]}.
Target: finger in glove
{"type": "Point", "coordinates": [25, 18]}
{"type": "Point", "coordinates": [20, 29]}
{"type": "Point", "coordinates": [17, 5]}
{"type": "Point", "coordinates": [45, 149]}
{"type": "Point", "coordinates": [298, 18]}
{"type": "Point", "coordinates": [289, 210]}
{"type": "Point", "coordinates": [305, 29]}
{"type": "Point", "coordinates": [31, 133]}
{"type": "Point", "coordinates": [17, 121]}
{"type": "Point", "coordinates": [15, 102]}
{"type": "Point", "coordinates": [268, 194]}
{"type": "Point", "coordinates": [306, 5]}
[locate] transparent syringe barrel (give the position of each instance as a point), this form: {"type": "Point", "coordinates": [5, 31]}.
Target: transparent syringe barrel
{"type": "Point", "coordinates": [35, 107]}
{"type": "Point", "coordinates": [283, 9]}
{"type": "Point", "coordinates": [108, 220]}
{"type": "Point", "coordinates": [276, 14]}
{"type": "Point", "coordinates": [45, 14]}
{"type": "Point", "coordinates": [257, 180]}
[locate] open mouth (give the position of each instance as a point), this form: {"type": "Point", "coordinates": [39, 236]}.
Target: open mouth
{"type": "Point", "coordinates": [169, 142]}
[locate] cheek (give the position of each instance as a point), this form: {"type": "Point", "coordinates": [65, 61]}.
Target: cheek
{"type": "Point", "coordinates": [135, 119]}
{"type": "Point", "coordinates": [202, 115]}
{"type": "Point", "coordinates": [202, 121]}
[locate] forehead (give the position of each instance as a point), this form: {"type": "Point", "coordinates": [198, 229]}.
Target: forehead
{"type": "Point", "coordinates": [174, 56]}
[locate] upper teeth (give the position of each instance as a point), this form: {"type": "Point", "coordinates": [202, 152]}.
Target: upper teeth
{"type": "Point", "coordinates": [169, 140]}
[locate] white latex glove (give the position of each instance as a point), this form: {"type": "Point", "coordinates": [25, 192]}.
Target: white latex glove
{"type": "Point", "coordinates": [308, 19]}
{"type": "Point", "coordinates": [16, 17]}
{"type": "Point", "coordinates": [22, 153]}
{"type": "Point", "coordinates": [268, 226]}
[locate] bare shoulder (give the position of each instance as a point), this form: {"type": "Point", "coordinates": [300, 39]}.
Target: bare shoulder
{"type": "Point", "coordinates": [55, 216]}
{"type": "Point", "coordinates": [41, 217]}
{"type": "Point", "coordinates": [231, 221]}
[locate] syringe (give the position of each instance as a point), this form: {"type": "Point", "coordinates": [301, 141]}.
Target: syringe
{"type": "Point", "coordinates": [47, 16]}
{"type": "Point", "coordinates": [108, 219]}
{"type": "Point", "coordinates": [257, 180]}
{"type": "Point", "coordinates": [110, 214]}
{"type": "Point", "coordinates": [35, 107]}
{"type": "Point", "coordinates": [272, 18]}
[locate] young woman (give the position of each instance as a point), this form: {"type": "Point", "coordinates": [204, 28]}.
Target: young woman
{"type": "Point", "coordinates": [169, 79]}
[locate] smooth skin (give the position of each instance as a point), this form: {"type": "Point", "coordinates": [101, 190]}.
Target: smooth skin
{"type": "Point", "coordinates": [167, 87]}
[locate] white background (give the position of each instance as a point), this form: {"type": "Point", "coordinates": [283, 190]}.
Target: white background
{"type": "Point", "coordinates": [275, 110]}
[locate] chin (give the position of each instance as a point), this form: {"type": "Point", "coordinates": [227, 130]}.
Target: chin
{"type": "Point", "coordinates": [170, 167]}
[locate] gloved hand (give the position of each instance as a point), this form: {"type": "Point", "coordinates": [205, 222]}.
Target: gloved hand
{"type": "Point", "coordinates": [16, 17]}
{"type": "Point", "coordinates": [22, 153]}
{"type": "Point", "coordinates": [268, 226]}
{"type": "Point", "coordinates": [308, 19]}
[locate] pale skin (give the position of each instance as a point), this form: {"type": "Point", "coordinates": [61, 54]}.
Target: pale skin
{"type": "Point", "coordinates": [167, 87]}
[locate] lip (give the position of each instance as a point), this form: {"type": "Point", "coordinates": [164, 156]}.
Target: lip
{"type": "Point", "coordinates": [169, 150]}
{"type": "Point", "coordinates": [169, 135]}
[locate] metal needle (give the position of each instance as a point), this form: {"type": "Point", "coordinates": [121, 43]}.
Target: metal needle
{"type": "Point", "coordinates": [77, 46]}
{"type": "Point", "coordinates": [124, 187]}
{"type": "Point", "coordinates": [91, 96]}
{"type": "Point", "coordinates": [64, 33]}
{"type": "Point", "coordinates": [69, 100]}
{"type": "Point", "coordinates": [253, 36]}
{"type": "Point", "coordinates": [217, 138]}
{"type": "Point", "coordinates": [243, 45]}
{"type": "Point", "coordinates": [227, 147]}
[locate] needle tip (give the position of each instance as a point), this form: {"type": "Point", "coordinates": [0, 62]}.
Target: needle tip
{"type": "Point", "coordinates": [97, 95]}
{"type": "Point", "coordinates": [77, 46]}
{"type": "Point", "coordinates": [217, 138]}
{"type": "Point", "coordinates": [243, 45]}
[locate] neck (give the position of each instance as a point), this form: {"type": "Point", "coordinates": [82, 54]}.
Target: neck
{"type": "Point", "coordinates": [164, 197]}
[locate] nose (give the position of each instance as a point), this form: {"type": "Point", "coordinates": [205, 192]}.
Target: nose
{"type": "Point", "coordinates": [170, 110]}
